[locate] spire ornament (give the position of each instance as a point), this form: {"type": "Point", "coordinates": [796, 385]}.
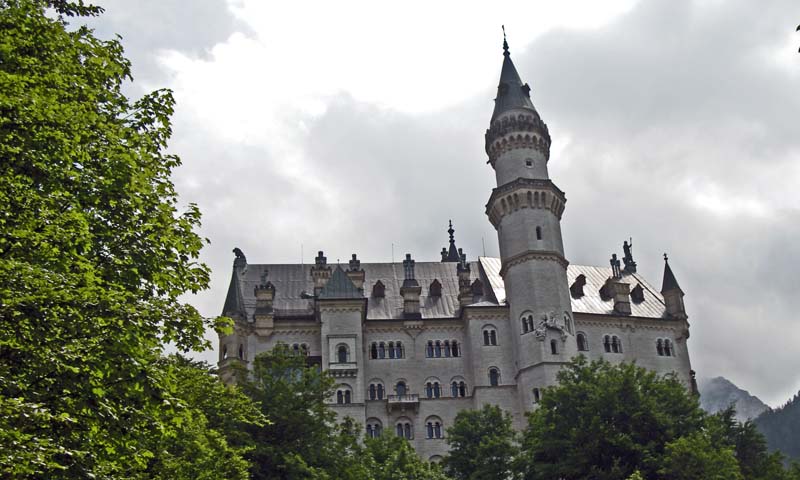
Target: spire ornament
{"type": "Point", "coordinates": [505, 41]}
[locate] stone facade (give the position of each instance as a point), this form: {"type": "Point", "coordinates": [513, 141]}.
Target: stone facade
{"type": "Point", "coordinates": [413, 343]}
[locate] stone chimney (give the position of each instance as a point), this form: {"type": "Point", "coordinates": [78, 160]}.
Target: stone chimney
{"type": "Point", "coordinates": [320, 272]}
{"type": "Point", "coordinates": [355, 273]}
{"type": "Point", "coordinates": [464, 286]}
{"type": "Point", "coordinates": [410, 291]}
{"type": "Point", "coordinates": [264, 314]}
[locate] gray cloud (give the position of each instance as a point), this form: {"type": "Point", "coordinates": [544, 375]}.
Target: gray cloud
{"type": "Point", "coordinates": [681, 133]}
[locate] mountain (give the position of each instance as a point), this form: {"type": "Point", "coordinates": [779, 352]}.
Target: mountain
{"type": "Point", "coordinates": [719, 393]}
{"type": "Point", "coordinates": [781, 427]}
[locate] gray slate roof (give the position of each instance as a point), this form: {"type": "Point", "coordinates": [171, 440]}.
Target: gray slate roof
{"type": "Point", "coordinates": [511, 93]}
{"type": "Point", "coordinates": [339, 287]}
{"type": "Point", "coordinates": [291, 280]}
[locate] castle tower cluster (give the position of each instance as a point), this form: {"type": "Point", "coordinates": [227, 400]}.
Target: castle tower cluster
{"type": "Point", "coordinates": [413, 343]}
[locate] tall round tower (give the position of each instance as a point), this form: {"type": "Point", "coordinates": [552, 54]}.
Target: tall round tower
{"type": "Point", "coordinates": [526, 209]}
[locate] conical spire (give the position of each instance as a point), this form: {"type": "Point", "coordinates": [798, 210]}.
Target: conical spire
{"type": "Point", "coordinates": [451, 254]}
{"type": "Point", "coordinates": [669, 283]}
{"type": "Point", "coordinates": [511, 92]}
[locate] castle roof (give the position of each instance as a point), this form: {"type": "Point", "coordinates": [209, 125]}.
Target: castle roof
{"type": "Point", "coordinates": [293, 283]}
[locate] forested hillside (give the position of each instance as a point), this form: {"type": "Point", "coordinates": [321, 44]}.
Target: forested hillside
{"type": "Point", "coordinates": [781, 427]}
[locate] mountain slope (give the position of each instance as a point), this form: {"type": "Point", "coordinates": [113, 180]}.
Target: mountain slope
{"type": "Point", "coordinates": [781, 427]}
{"type": "Point", "coordinates": [719, 393]}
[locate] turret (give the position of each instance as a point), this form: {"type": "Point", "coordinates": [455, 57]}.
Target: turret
{"type": "Point", "coordinates": [526, 209]}
{"type": "Point", "coordinates": [673, 295]}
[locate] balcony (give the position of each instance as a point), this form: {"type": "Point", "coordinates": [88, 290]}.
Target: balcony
{"type": "Point", "coordinates": [404, 402]}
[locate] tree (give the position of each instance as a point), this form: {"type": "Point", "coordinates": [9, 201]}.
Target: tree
{"type": "Point", "coordinates": [694, 456]}
{"type": "Point", "coordinates": [300, 440]}
{"type": "Point", "coordinates": [390, 457]}
{"type": "Point", "coordinates": [94, 253]}
{"type": "Point", "coordinates": [482, 445]}
{"type": "Point", "coordinates": [606, 422]}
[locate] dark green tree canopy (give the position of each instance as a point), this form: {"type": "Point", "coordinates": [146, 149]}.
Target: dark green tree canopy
{"type": "Point", "coordinates": [483, 445]}
{"type": "Point", "coordinates": [94, 251]}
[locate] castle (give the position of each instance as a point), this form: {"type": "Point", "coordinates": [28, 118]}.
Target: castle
{"type": "Point", "coordinates": [410, 344]}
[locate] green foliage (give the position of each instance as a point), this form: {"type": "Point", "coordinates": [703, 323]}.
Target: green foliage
{"type": "Point", "coordinates": [694, 456]}
{"type": "Point", "coordinates": [94, 256]}
{"type": "Point", "coordinates": [606, 422]}
{"type": "Point", "coordinates": [781, 427]}
{"type": "Point", "coordinates": [482, 445]}
{"type": "Point", "coordinates": [298, 441]}
{"type": "Point", "coordinates": [390, 457]}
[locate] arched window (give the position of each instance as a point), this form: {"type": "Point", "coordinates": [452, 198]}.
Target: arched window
{"type": "Point", "coordinates": [224, 352]}
{"type": "Point", "coordinates": [607, 343]}
{"type": "Point", "coordinates": [437, 349]}
{"type": "Point", "coordinates": [525, 324]}
{"type": "Point", "coordinates": [616, 344]}
{"type": "Point", "coordinates": [374, 428]}
{"type": "Point", "coordinates": [454, 348]}
{"type": "Point", "coordinates": [536, 395]}
{"type": "Point", "coordinates": [296, 349]}
{"type": "Point", "coordinates": [660, 347]}
{"type": "Point", "coordinates": [391, 350]}
{"type": "Point", "coordinates": [241, 352]}
{"type": "Point", "coordinates": [583, 344]}
{"type": "Point", "coordinates": [437, 391]}
{"type": "Point", "coordinates": [447, 348]}
{"type": "Point", "coordinates": [429, 349]}
{"type": "Point", "coordinates": [347, 396]}
{"type": "Point", "coordinates": [403, 429]}
{"type": "Point", "coordinates": [343, 395]}
{"type": "Point", "coordinates": [433, 427]}
{"type": "Point", "coordinates": [494, 377]}
{"type": "Point", "coordinates": [486, 337]}
{"type": "Point", "coordinates": [339, 397]}
{"type": "Point", "coordinates": [429, 390]}
{"type": "Point", "coordinates": [304, 349]}
{"type": "Point", "coordinates": [373, 350]}
{"type": "Point", "coordinates": [493, 337]}
{"type": "Point", "coordinates": [400, 388]}
{"type": "Point", "coordinates": [398, 350]}
{"type": "Point", "coordinates": [553, 347]}
{"type": "Point", "coordinates": [373, 392]}
{"type": "Point", "coordinates": [381, 350]}
{"type": "Point", "coordinates": [538, 233]}
{"type": "Point", "coordinates": [668, 349]}
{"type": "Point", "coordinates": [454, 389]}
{"type": "Point", "coordinates": [341, 354]}
{"type": "Point", "coordinates": [462, 389]}
{"type": "Point", "coordinates": [436, 459]}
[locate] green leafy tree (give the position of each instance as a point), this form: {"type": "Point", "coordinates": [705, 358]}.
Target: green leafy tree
{"type": "Point", "coordinates": [694, 456]}
{"type": "Point", "coordinates": [301, 439]}
{"type": "Point", "coordinates": [94, 253]}
{"type": "Point", "coordinates": [390, 457]}
{"type": "Point", "coordinates": [606, 422]}
{"type": "Point", "coordinates": [482, 444]}
{"type": "Point", "coordinates": [208, 438]}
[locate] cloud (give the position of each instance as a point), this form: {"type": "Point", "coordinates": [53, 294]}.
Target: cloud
{"type": "Point", "coordinates": [673, 122]}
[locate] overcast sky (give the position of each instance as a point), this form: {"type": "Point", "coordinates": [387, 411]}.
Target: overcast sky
{"type": "Point", "coordinates": [351, 126]}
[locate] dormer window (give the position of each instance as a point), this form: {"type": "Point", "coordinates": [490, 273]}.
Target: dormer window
{"type": "Point", "coordinates": [435, 290]}
{"type": "Point", "coordinates": [378, 290]}
{"type": "Point", "coordinates": [576, 289]}
{"type": "Point", "coordinates": [637, 294]}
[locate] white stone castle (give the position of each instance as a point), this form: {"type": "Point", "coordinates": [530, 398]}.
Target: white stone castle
{"type": "Point", "coordinates": [412, 344]}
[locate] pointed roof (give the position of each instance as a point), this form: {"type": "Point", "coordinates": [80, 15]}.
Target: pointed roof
{"type": "Point", "coordinates": [233, 301]}
{"type": "Point", "coordinates": [669, 283]}
{"type": "Point", "coordinates": [339, 287]}
{"type": "Point", "coordinates": [511, 92]}
{"type": "Point", "coordinates": [452, 252]}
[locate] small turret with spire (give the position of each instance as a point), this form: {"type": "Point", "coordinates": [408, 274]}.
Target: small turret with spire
{"type": "Point", "coordinates": [673, 295]}
{"type": "Point", "coordinates": [451, 254]}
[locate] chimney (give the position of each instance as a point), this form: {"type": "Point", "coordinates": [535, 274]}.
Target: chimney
{"type": "Point", "coordinates": [410, 290]}
{"type": "Point", "coordinates": [264, 314]}
{"type": "Point", "coordinates": [355, 273]}
{"type": "Point", "coordinates": [320, 272]}
{"type": "Point", "coordinates": [464, 285]}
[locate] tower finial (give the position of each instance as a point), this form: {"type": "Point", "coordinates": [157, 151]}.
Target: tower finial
{"type": "Point", "coordinates": [666, 260]}
{"type": "Point", "coordinates": [505, 42]}
{"type": "Point", "coordinates": [451, 232]}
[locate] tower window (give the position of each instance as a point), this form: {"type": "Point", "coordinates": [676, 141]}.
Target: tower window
{"type": "Point", "coordinates": [583, 345]}
{"type": "Point", "coordinates": [341, 354]}
{"type": "Point", "coordinates": [536, 395]}
{"type": "Point", "coordinates": [553, 347]}
{"type": "Point", "coordinates": [538, 233]}
{"type": "Point", "coordinates": [528, 162]}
